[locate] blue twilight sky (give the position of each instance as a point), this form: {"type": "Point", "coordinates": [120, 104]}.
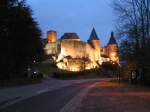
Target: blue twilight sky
{"type": "Point", "coordinates": [78, 16]}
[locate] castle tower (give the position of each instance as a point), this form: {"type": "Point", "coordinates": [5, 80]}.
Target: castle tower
{"type": "Point", "coordinates": [94, 40]}
{"type": "Point", "coordinates": [52, 36]}
{"type": "Point", "coordinates": [51, 47]}
{"type": "Point", "coordinates": [112, 39]}
{"type": "Point", "coordinates": [95, 43]}
{"type": "Point", "coordinates": [112, 49]}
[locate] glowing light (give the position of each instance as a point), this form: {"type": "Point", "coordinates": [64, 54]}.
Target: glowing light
{"type": "Point", "coordinates": [75, 69]}
{"type": "Point", "coordinates": [113, 54]}
{"type": "Point", "coordinates": [61, 55]}
{"type": "Point", "coordinates": [61, 65]}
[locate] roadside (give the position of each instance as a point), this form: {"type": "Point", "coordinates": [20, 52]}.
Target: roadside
{"type": "Point", "coordinates": [114, 97]}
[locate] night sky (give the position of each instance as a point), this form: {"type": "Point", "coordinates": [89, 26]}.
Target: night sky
{"type": "Point", "coordinates": [78, 16]}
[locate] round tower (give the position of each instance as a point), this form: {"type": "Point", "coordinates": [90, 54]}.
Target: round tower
{"type": "Point", "coordinates": [112, 44]}
{"type": "Point", "coordinates": [51, 36]}
{"type": "Point", "coordinates": [95, 44]}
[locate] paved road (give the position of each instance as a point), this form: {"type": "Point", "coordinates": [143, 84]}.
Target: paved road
{"type": "Point", "coordinates": [53, 101]}
{"type": "Point", "coordinates": [87, 96]}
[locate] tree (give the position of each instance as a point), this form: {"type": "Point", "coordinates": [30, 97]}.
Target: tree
{"type": "Point", "coordinates": [133, 17]}
{"type": "Point", "coordinates": [20, 41]}
{"type": "Point", "coordinates": [134, 25]}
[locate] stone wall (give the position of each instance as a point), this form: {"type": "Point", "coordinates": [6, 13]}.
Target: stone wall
{"type": "Point", "coordinates": [79, 49]}
{"type": "Point", "coordinates": [75, 49]}
{"type": "Point", "coordinates": [51, 48]}
{"type": "Point", "coordinates": [112, 52]}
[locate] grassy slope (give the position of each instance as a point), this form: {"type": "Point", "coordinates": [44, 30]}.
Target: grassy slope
{"type": "Point", "coordinates": [46, 68]}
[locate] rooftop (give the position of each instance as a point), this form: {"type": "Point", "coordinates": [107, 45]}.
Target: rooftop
{"type": "Point", "coordinates": [93, 35]}
{"type": "Point", "coordinates": [70, 36]}
{"type": "Point", "coordinates": [112, 39]}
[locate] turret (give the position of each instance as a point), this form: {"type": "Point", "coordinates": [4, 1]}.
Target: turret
{"type": "Point", "coordinates": [51, 36]}
{"type": "Point", "coordinates": [94, 40]}
{"type": "Point", "coordinates": [112, 44]}
{"type": "Point", "coordinates": [112, 39]}
{"type": "Point", "coordinates": [112, 49]}
{"type": "Point", "coordinates": [95, 43]}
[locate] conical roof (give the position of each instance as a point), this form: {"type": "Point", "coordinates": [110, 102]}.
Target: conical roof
{"type": "Point", "coordinates": [93, 35]}
{"type": "Point", "coordinates": [112, 39]}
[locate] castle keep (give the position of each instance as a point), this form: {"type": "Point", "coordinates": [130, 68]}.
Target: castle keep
{"type": "Point", "coordinates": [72, 54]}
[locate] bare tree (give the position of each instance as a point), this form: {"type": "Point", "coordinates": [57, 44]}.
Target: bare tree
{"type": "Point", "coordinates": [134, 23]}
{"type": "Point", "coordinates": [134, 19]}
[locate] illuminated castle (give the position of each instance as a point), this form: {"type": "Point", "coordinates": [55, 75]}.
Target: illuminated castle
{"type": "Point", "coordinates": [110, 51]}
{"type": "Point", "coordinates": [72, 54]}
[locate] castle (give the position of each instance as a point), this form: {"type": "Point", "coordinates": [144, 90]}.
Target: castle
{"type": "Point", "coordinates": [72, 54]}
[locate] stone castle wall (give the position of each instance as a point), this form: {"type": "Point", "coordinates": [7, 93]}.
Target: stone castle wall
{"type": "Point", "coordinates": [73, 48]}
{"type": "Point", "coordinates": [79, 49]}
{"type": "Point", "coordinates": [52, 48]}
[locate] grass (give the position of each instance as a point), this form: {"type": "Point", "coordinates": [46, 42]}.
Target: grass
{"type": "Point", "coordinates": [46, 68]}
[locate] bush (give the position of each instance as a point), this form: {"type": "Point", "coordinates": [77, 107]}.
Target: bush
{"type": "Point", "coordinates": [110, 69]}
{"type": "Point", "coordinates": [146, 76]}
{"type": "Point", "coordinates": [62, 74]}
{"type": "Point", "coordinates": [127, 69]}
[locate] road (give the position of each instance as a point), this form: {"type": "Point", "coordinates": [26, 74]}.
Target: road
{"type": "Point", "coordinates": [53, 101]}
{"type": "Point", "coordinates": [98, 95]}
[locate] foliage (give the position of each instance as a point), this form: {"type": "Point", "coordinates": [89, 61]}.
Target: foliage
{"type": "Point", "coordinates": [20, 41]}
{"type": "Point", "coordinates": [127, 69]}
{"type": "Point", "coordinates": [109, 65]}
{"type": "Point", "coordinates": [111, 69]}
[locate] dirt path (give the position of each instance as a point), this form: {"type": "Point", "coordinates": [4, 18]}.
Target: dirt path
{"type": "Point", "coordinates": [114, 97]}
